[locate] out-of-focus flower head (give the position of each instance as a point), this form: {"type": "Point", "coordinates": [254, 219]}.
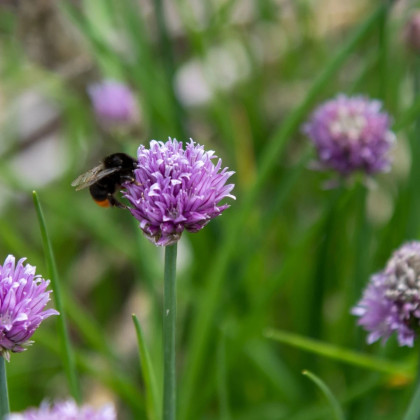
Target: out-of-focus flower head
{"type": "Point", "coordinates": [412, 32]}
{"type": "Point", "coordinates": [113, 103]}
{"type": "Point", "coordinates": [23, 297]}
{"type": "Point", "coordinates": [351, 134]}
{"type": "Point", "coordinates": [391, 301]}
{"type": "Point", "coordinates": [65, 410]}
{"type": "Point", "coordinates": [176, 189]}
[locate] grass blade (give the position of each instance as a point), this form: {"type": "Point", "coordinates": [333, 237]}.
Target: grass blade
{"type": "Point", "coordinates": [335, 406]}
{"type": "Point", "coordinates": [413, 411]}
{"type": "Point", "coordinates": [339, 353]}
{"type": "Point", "coordinates": [222, 380]}
{"type": "Point", "coordinates": [66, 349]}
{"type": "Point", "coordinates": [152, 398]}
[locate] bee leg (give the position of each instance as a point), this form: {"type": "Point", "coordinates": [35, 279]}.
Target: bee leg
{"type": "Point", "coordinates": [115, 203]}
{"type": "Point", "coordinates": [132, 180]}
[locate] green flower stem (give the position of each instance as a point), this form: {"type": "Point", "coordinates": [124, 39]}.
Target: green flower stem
{"type": "Point", "coordinates": [323, 267]}
{"type": "Point", "coordinates": [63, 335]}
{"type": "Point", "coordinates": [270, 158]}
{"type": "Point", "coordinates": [169, 321]}
{"type": "Point", "coordinates": [4, 394]}
{"type": "Point", "coordinates": [361, 245]}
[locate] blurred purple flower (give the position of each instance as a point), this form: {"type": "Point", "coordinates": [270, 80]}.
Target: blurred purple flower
{"type": "Point", "coordinates": [351, 134]}
{"type": "Point", "coordinates": [113, 102]}
{"type": "Point", "coordinates": [65, 410]}
{"type": "Point", "coordinates": [23, 296]}
{"type": "Point", "coordinates": [391, 301]}
{"type": "Point", "coordinates": [176, 189]}
{"type": "Point", "coordinates": [412, 32]}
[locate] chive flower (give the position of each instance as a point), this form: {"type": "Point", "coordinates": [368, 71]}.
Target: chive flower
{"type": "Point", "coordinates": [113, 102]}
{"type": "Point", "coordinates": [391, 301]}
{"type": "Point", "coordinates": [65, 410]}
{"type": "Point", "coordinates": [23, 297]}
{"type": "Point", "coordinates": [177, 189]}
{"type": "Point", "coordinates": [412, 32]}
{"type": "Point", "coordinates": [351, 134]}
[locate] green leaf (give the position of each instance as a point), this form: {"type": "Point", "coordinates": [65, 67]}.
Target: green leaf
{"type": "Point", "coordinates": [413, 411]}
{"type": "Point", "coordinates": [335, 406]}
{"type": "Point", "coordinates": [66, 348]}
{"type": "Point", "coordinates": [339, 353]}
{"type": "Point", "coordinates": [152, 397]}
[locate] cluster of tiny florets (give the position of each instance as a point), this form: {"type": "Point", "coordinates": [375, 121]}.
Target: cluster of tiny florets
{"type": "Point", "coordinates": [65, 410]}
{"type": "Point", "coordinates": [176, 189]}
{"type": "Point", "coordinates": [351, 134]}
{"type": "Point", "coordinates": [391, 301]}
{"type": "Point", "coordinates": [23, 297]}
{"type": "Point", "coordinates": [113, 102]}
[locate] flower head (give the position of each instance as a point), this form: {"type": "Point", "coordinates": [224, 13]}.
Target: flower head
{"type": "Point", "coordinates": [65, 410]}
{"type": "Point", "coordinates": [23, 296]}
{"type": "Point", "coordinates": [351, 134]}
{"type": "Point", "coordinates": [391, 301]}
{"type": "Point", "coordinates": [113, 102]}
{"type": "Point", "coordinates": [176, 189]}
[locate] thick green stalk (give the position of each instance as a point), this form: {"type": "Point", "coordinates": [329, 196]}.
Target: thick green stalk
{"type": "Point", "coordinates": [63, 335]}
{"type": "Point", "coordinates": [4, 394]}
{"type": "Point", "coordinates": [270, 158]}
{"type": "Point", "coordinates": [323, 268]}
{"type": "Point", "coordinates": [361, 246]}
{"type": "Point", "coordinates": [169, 321]}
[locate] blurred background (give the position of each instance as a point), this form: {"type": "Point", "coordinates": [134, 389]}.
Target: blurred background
{"type": "Point", "coordinates": [237, 76]}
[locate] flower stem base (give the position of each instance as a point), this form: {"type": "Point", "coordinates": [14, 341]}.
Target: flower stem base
{"type": "Point", "coordinates": [169, 321]}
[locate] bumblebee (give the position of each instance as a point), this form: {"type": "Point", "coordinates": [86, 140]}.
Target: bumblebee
{"type": "Point", "coordinates": [106, 178]}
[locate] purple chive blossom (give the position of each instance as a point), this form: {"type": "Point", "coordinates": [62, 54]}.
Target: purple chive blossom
{"type": "Point", "coordinates": [351, 134]}
{"type": "Point", "coordinates": [113, 102]}
{"type": "Point", "coordinates": [23, 297]}
{"type": "Point", "coordinates": [176, 189]}
{"type": "Point", "coordinates": [412, 32]}
{"type": "Point", "coordinates": [391, 301]}
{"type": "Point", "coordinates": [65, 410]}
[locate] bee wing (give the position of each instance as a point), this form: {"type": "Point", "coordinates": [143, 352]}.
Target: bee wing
{"type": "Point", "coordinates": [90, 177]}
